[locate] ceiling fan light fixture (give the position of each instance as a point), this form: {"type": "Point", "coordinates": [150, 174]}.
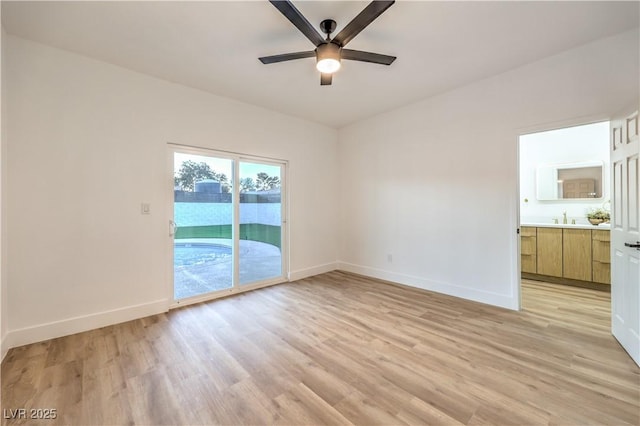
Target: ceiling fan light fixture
{"type": "Point", "coordinates": [328, 65]}
{"type": "Point", "coordinates": [328, 57]}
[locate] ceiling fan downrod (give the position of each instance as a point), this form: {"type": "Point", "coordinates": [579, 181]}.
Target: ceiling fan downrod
{"type": "Point", "coordinates": [328, 26]}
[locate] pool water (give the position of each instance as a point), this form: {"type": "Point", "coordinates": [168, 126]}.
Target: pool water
{"type": "Point", "coordinates": [187, 254]}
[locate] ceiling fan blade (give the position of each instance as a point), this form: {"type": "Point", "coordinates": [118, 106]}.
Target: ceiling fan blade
{"type": "Point", "coordinates": [325, 79]}
{"type": "Point", "coordinates": [364, 18]}
{"type": "Point", "coordinates": [292, 14]}
{"type": "Point", "coordinates": [359, 55]}
{"type": "Point", "coordinates": [287, 57]}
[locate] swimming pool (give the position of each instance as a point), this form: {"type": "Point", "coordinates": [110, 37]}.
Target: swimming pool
{"type": "Point", "coordinates": [187, 254]}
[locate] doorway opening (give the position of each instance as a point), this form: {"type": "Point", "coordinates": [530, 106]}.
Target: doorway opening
{"type": "Point", "coordinates": [228, 226]}
{"type": "Point", "coordinates": [565, 203]}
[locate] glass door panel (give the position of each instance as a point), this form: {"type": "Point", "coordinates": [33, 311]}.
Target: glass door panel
{"type": "Point", "coordinates": [260, 216]}
{"type": "Point", "coordinates": [203, 217]}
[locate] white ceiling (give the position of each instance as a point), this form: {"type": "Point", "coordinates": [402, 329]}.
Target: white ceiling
{"type": "Point", "coordinates": [214, 46]}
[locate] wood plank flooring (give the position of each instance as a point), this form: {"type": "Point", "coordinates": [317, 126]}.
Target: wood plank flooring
{"type": "Point", "coordinates": [339, 349]}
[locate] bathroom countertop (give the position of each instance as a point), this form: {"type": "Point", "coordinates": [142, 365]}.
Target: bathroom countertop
{"type": "Point", "coordinates": [602, 226]}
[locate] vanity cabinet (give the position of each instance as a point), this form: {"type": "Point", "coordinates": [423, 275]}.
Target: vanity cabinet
{"type": "Point", "coordinates": [566, 255]}
{"type": "Point", "coordinates": [601, 254]}
{"type": "Point", "coordinates": [549, 251]}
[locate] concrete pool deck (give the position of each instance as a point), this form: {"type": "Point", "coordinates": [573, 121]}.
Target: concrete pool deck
{"type": "Point", "coordinates": [257, 261]}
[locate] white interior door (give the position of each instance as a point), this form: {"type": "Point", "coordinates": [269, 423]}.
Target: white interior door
{"type": "Point", "coordinates": [625, 234]}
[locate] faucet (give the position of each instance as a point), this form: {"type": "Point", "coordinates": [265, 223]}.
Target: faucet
{"type": "Point", "coordinates": [564, 217]}
{"type": "Point", "coordinates": [555, 221]}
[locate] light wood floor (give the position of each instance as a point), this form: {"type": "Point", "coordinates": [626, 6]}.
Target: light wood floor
{"type": "Point", "coordinates": [339, 349]}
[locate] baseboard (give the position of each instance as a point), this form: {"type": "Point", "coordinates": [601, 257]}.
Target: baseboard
{"type": "Point", "coordinates": [52, 330]}
{"type": "Point", "coordinates": [315, 270]}
{"type": "Point", "coordinates": [489, 298]}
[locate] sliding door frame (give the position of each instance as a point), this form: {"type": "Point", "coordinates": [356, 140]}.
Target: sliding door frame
{"type": "Point", "coordinates": [235, 200]}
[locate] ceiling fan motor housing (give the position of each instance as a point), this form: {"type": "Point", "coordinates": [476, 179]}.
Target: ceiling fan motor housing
{"type": "Point", "coordinates": [328, 51]}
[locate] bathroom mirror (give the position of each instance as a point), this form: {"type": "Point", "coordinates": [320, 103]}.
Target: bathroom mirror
{"type": "Point", "coordinates": [575, 181]}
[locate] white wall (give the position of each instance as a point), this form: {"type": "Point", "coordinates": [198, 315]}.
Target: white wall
{"type": "Point", "coordinates": [434, 184]}
{"type": "Point", "coordinates": [88, 144]}
{"type": "Point", "coordinates": [561, 146]}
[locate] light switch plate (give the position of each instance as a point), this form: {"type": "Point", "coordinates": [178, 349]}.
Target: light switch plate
{"type": "Point", "coordinates": [145, 208]}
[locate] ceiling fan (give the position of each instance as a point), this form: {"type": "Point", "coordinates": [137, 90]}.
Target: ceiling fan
{"type": "Point", "coordinates": [330, 52]}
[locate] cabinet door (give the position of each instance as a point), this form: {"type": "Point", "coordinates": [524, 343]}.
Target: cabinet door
{"type": "Point", "coordinates": [601, 251]}
{"type": "Point", "coordinates": [528, 249]}
{"type": "Point", "coordinates": [576, 256]}
{"type": "Point", "coordinates": [549, 251]}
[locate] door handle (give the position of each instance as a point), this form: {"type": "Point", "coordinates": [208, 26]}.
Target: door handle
{"type": "Point", "coordinates": [636, 245]}
{"type": "Point", "coordinates": [172, 228]}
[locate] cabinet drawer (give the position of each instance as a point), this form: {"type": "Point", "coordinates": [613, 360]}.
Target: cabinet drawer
{"type": "Point", "coordinates": [599, 235]}
{"type": "Point", "coordinates": [528, 263]}
{"type": "Point", "coordinates": [601, 251]}
{"type": "Point", "coordinates": [528, 231]}
{"type": "Point", "coordinates": [527, 245]}
{"type": "Point", "coordinates": [601, 272]}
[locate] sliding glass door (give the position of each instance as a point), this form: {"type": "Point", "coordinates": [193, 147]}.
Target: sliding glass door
{"type": "Point", "coordinates": [227, 227]}
{"type": "Point", "coordinates": [203, 218]}
{"type": "Point", "coordinates": [260, 248]}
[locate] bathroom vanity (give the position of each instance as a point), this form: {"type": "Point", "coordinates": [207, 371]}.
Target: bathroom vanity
{"type": "Point", "coordinates": [566, 254]}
